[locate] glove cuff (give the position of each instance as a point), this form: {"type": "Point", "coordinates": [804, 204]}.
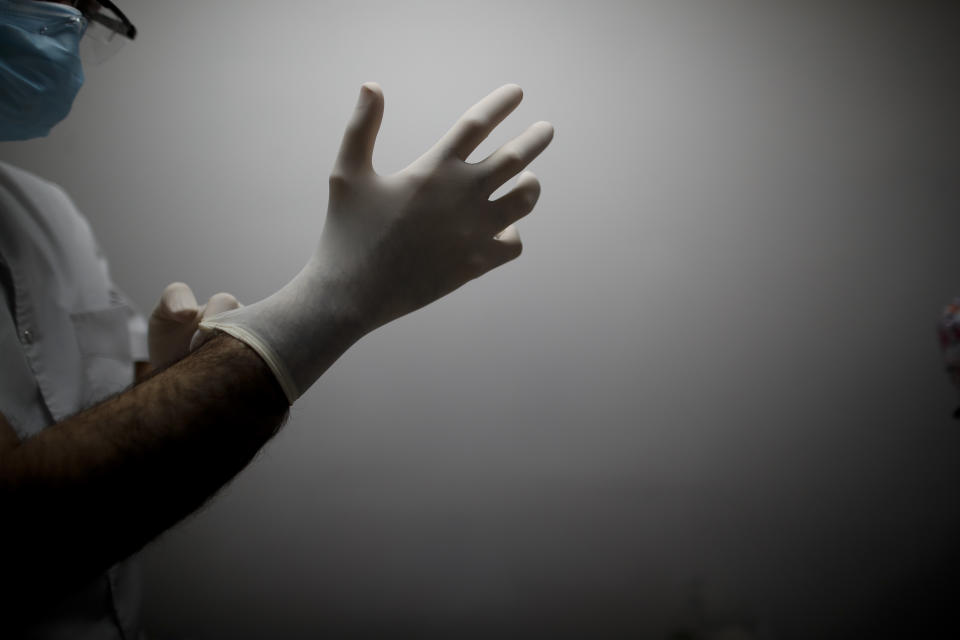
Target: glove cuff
{"type": "Point", "coordinates": [264, 350]}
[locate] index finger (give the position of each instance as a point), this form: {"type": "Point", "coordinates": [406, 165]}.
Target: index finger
{"type": "Point", "coordinates": [478, 121]}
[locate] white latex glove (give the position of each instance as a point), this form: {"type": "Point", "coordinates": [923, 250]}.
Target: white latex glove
{"type": "Point", "coordinates": [175, 319]}
{"type": "Point", "coordinates": [392, 244]}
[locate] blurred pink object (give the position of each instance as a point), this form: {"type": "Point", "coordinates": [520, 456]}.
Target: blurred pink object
{"type": "Point", "coordinates": [948, 330]}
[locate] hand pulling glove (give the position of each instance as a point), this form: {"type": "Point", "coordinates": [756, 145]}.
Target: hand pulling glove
{"type": "Point", "coordinates": [394, 243]}
{"type": "Point", "coordinates": [175, 319]}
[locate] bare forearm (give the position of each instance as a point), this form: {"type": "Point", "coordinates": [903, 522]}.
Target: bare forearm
{"type": "Point", "coordinates": [142, 371]}
{"type": "Point", "coordinates": [90, 490]}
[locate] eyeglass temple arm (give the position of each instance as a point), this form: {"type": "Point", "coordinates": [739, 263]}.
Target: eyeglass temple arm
{"type": "Point", "coordinates": [123, 25]}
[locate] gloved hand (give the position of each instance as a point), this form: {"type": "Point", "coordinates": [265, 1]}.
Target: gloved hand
{"type": "Point", "coordinates": [175, 319]}
{"type": "Point", "coordinates": [393, 243]}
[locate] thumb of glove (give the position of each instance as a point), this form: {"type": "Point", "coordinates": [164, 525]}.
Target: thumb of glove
{"type": "Point", "coordinates": [172, 322]}
{"type": "Point", "coordinates": [356, 149]}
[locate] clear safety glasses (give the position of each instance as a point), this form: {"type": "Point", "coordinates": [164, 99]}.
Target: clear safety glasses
{"type": "Point", "coordinates": [107, 30]}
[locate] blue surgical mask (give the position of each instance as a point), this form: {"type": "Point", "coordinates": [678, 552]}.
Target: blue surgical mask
{"type": "Point", "coordinates": [40, 69]}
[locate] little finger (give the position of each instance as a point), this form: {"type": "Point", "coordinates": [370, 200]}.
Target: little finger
{"type": "Point", "coordinates": [504, 247]}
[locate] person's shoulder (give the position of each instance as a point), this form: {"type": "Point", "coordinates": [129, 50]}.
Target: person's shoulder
{"type": "Point", "coordinates": [36, 195]}
{"type": "Point", "coordinates": [23, 180]}
{"type": "Point", "coordinates": [26, 199]}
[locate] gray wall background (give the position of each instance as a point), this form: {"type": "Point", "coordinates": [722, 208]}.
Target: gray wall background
{"type": "Point", "coordinates": [709, 394]}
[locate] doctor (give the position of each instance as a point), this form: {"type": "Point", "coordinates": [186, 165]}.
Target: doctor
{"type": "Point", "coordinates": [92, 468]}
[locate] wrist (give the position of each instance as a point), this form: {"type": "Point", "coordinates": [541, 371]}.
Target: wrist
{"type": "Point", "coordinates": [339, 309]}
{"type": "Point", "coordinates": [300, 330]}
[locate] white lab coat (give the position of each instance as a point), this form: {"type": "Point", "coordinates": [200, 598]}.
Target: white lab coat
{"type": "Point", "coordinates": [68, 338]}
